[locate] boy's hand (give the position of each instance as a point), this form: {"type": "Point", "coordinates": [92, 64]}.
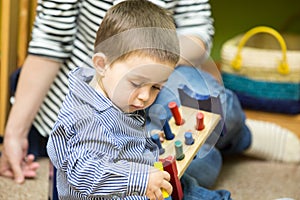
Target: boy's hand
{"type": "Point", "coordinates": [158, 180]}
{"type": "Point", "coordinates": [160, 133]}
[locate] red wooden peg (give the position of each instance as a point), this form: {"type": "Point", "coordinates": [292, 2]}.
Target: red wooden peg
{"type": "Point", "coordinates": [175, 112]}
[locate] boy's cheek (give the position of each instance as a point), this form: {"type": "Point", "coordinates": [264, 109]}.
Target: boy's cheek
{"type": "Point", "coordinates": [152, 100]}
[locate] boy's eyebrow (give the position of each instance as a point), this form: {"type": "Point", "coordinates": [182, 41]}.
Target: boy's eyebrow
{"type": "Point", "coordinates": [144, 78]}
{"type": "Point", "coordinates": [164, 81]}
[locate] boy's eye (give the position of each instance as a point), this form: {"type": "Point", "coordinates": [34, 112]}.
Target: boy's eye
{"type": "Point", "coordinates": [157, 87]}
{"type": "Point", "coordinates": [137, 85]}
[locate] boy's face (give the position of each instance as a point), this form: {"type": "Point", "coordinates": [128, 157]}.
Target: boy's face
{"type": "Point", "coordinates": [135, 83]}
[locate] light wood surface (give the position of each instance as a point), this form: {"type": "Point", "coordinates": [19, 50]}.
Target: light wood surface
{"type": "Point", "coordinates": [189, 115]}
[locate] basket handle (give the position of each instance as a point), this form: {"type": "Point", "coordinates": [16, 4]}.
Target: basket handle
{"type": "Point", "coordinates": [282, 68]}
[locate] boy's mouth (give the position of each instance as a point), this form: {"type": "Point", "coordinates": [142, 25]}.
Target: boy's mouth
{"type": "Point", "coordinates": [137, 107]}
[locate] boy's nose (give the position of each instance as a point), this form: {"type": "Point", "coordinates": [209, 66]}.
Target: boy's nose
{"type": "Point", "coordinates": [144, 93]}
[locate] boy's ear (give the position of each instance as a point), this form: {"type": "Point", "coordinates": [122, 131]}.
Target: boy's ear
{"type": "Point", "coordinates": [99, 61]}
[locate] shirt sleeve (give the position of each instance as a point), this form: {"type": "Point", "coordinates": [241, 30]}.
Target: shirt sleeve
{"type": "Point", "coordinates": [91, 167]}
{"type": "Point", "coordinates": [54, 28]}
{"type": "Point", "coordinates": [194, 18]}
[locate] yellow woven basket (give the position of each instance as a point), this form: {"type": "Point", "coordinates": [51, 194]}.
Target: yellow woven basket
{"type": "Point", "coordinates": [263, 71]}
{"type": "Point", "coordinates": [258, 55]}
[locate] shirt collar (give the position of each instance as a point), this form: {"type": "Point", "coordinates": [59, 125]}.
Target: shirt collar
{"type": "Point", "coordinates": [79, 79]}
{"type": "Point", "coordinates": [79, 86]}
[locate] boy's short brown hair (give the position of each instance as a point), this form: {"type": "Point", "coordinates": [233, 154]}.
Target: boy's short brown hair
{"type": "Point", "coordinates": [138, 27]}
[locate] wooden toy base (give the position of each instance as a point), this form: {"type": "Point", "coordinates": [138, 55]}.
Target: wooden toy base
{"type": "Point", "coordinates": [211, 120]}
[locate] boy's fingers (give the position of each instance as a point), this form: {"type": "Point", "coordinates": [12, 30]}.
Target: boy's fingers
{"type": "Point", "coordinates": [167, 176]}
{"type": "Point", "coordinates": [158, 195]}
{"type": "Point", "coordinates": [151, 196]}
{"type": "Point", "coordinates": [167, 187]}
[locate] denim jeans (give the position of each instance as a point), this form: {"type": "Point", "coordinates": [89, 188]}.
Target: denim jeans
{"type": "Point", "coordinates": [192, 191]}
{"type": "Point", "coordinates": [233, 137]}
{"type": "Point", "coordinates": [206, 169]}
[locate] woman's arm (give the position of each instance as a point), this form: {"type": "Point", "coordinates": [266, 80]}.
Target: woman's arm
{"type": "Point", "coordinates": [52, 41]}
{"type": "Point", "coordinates": [35, 79]}
{"type": "Point", "coordinates": [195, 27]}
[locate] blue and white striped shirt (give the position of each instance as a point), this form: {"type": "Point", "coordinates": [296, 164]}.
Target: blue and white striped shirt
{"type": "Point", "coordinates": [99, 151]}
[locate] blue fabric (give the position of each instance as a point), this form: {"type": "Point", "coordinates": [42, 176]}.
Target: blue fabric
{"type": "Point", "coordinates": [270, 105]}
{"type": "Point", "coordinates": [238, 137]}
{"type": "Point", "coordinates": [192, 191]}
{"type": "Point", "coordinates": [262, 89]}
{"type": "Point", "coordinates": [37, 143]}
{"type": "Point", "coordinates": [206, 168]}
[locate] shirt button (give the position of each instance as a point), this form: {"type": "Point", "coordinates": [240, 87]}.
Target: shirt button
{"type": "Point", "coordinates": [135, 193]}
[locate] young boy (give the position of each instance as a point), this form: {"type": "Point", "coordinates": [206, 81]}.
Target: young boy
{"type": "Point", "coordinates": [98, 144]}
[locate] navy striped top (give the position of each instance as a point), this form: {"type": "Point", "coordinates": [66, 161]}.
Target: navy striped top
{"type": "Point", "coordinates": [99, 151]}
{"type": "Point", "coordinates": [65, 30]}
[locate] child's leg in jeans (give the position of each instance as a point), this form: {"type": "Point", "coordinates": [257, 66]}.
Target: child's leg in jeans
{"type": "Point", "coordinates": [205, 168]}
{"type": "Point", "coordinates": [260, 139]}
{"type": "Point", "coordinates": [192, 191]}
{"type": "Point", "coordinates": [237, 137]}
